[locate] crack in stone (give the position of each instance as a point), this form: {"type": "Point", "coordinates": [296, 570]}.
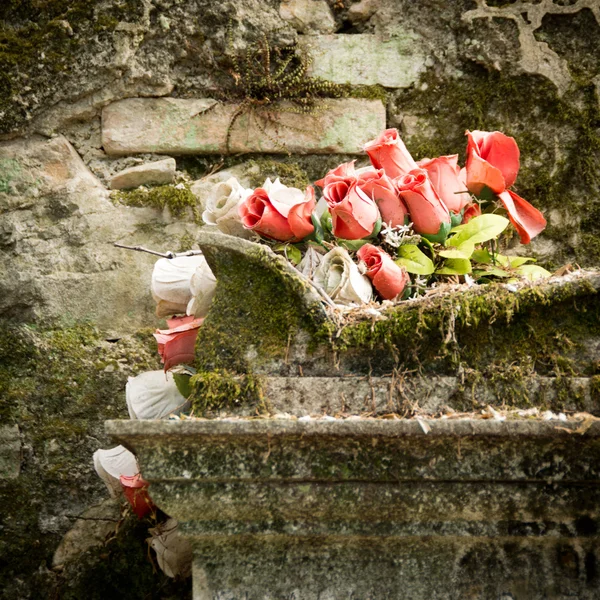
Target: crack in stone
{"type": "Point", "coordinates": [536, 57]}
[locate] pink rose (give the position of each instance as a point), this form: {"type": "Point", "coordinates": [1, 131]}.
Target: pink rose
{"type": "Point", "coordinates": [492, 161]}
{"type": "Point", "coordinates": [136, 492]}
{"type": "Point", "coordinates": [389, 153]}
{"type": "Point", "coordinates": [527, 219]}
{"type": "Point", "coordinates": [279, 212]}
{"type": "Point", "coordinates": [353, 213]}
{"type": "Point", "coordinates": [428, 213]}
{"type": "Point", "coordinates": [388, 278]}
{"type": "Point", "coordinates": [341, 172]}
{"type": "Point", "coordinates": [445, 178]}
{"type": "Point", "coordinates": [176, 344]}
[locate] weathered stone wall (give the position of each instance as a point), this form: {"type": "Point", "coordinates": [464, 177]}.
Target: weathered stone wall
{"type": "Point", "coordinates": [434, 69]}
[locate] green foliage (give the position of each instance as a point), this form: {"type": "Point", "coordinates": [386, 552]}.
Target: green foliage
{"type": "Point", "coordinates": [414, 261]}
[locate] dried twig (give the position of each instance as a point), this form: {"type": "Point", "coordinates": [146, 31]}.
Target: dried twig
{"type": "Point", "coordinates": [167, 254]}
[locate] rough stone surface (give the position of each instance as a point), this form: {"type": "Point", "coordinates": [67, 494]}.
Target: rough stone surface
{"type": "Point", "coordinates": [159, 172]}
{"type": "Point", "coordinates": [91, 529]}
{"type": "Point", "coordinates": [285, 508]}
{"type": "Point", "coordinates": [365, 59]}
{"type": "Point", "coordinates": [10, 452]}
{"type": "Point", "coordinates": [200, 127]}
{"type": "Point", "coordinates": [58, 229]}
{"type": "Point", "coordinates": [308, 16]}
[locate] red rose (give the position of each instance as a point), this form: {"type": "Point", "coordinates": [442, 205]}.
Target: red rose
{"type": "Point", "coordinates": [136, 492]}
{"type": "Point", "coordinates": [388, 278]}
{"type": "Point", "coordinates": [380, 188]}
{"type": "Point", "coordinates": [389, 153]}
{"type": "Point", "coordinates": [279, 212]}
{"type": "Point", "coordinates": [527, 219]}
{"type": "Point", "coordinates": [471, 211]}
{"type": "Point", "coordinates": [427, 212]}
{"type": "Point", "coordinates": [176, 345]}
{"type": "Point", "coordinates": [445, 178]}
{"type": "Point", "coordinates": [353, 213]}
{"type": "Point", "coordinates": [492, 161]}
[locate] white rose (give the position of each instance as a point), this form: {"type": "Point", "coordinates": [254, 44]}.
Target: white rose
{"type": "Point", "coordinates": [111, 464]}
{"type": "Point", "coordinates": [222, 207]}
{"type": "Point", "coordinates": [339, 276]}
{"type": "Point", "coordinates": [203, 285]}
{"type": "Point", "coordinates": [153, 395]}
{"type": "Point", "coordinates": [173, 551]}
{"type": "Point", "coordinates": [171, 279]}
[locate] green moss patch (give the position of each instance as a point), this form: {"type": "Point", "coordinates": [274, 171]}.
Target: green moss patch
{"type": "Point", "coordinates": [181, 202]}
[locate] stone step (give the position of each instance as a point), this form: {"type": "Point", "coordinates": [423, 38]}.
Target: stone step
{"type": "Point", "coordinates": [200, 126]}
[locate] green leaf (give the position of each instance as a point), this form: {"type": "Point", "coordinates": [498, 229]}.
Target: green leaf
{"type": "Point", "coordinates": [457, 228]}
{"type": "Point", "coordinates": [414, 261]}
{"type": "Point", "coordinates": [479, 229]}
{"type": "Point", "coordinates": [182, 382]}
{"type": "Point", "coordinates": [376, 228]}
{"type": "Point", "coordinates": [326, 222]}
{"type": "Point", "coordinates": [317, 234]}
{"type": "Point", "coordinates": [440, 236]}
{"type": "Point", "coordinates": [352, 245]}
{"type": "Point", "coordinates": [292, 253]}
{"type": "Point", "coordinates": [497, 271]}
{"type": "Point", "coordinates": [465, 250]}
{"type": "Point", "coordinates": [456, 219]}
{"type": "Point", "coordinates": [532, 272]}
{"type": "Point", "coordinates": [517, 261]}
{"type": "Point", "coordinates": [455, 266]}
{"type": "Point", "coordinates": [482, 256]}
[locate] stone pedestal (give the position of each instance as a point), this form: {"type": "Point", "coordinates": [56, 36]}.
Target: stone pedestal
{"type": "Point", "coordinates": [379, 509]}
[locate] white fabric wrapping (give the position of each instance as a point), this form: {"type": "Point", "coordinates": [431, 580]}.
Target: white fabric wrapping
{"type": "Point", "coordinates": [173, 551]}
{"type": "Point", "coordinates": [171, 279]}
{"type": "Point", "coordinates": [111, 464]}
{"type": "Point", "coordinates": [203, 285]}
{"type": "Point", "coordinates": [153, 395]}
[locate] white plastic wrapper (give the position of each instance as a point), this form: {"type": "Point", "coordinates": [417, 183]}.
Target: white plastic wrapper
{"type": "Point", "coordinates": [339, 276]}
{"type": "Point", "coordinates": [171, 280]}
{"type": "Point", "coordinates": [173, 551]}
{"type": "Point", "coordinates": [153, 395]}
{"type": "Point", "coordinates": [202, 287]}
{"type": "Point", "coordinates": [111, 464]}
{"type": "Point", "coordinates": [222, 206]}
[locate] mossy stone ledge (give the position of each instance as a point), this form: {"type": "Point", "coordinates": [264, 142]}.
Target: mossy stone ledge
{"type": "Point", "coordinates": [268, 338]}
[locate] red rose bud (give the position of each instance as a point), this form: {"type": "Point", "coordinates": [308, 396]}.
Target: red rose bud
{"type": "Point", "coordinates": [381, 189]}
{"type": "Point", "coordinates": [428, 213]}
{"type": "Point", "coordinates": [176, 345]}
{"type": "Point", "coordinates": [388, 278]}
{"type": "Point", "coordinates": [136, 492]}
{"type": "Point", "coordinates": [527, 219]}
{"type": "Point", "coordinates": [471, 211]}
{"type": "Point", "coordinates": [445, 178]}
{"type": "Point", "coordinates": [353, 213]}
{"type": "Point", "coordinates": [492, 161]}
{"type": "Point", "coordinates": [389, 153]}
{"type": "Point", "coordinates": [278, 212]}
{"type": "Point", "coordinates": [341, 172]}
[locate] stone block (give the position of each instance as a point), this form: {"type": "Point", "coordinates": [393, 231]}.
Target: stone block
{"type": "Point", "coordinates": [182, 126]}
{"type": "Point", "coordinates": [308, 16]}
{"type": "Point", "coordinates": [158, 172]}
{"type": "Point", "coordinates": [365, 59]}
{"type": "Point", "coordinates": [10, 452]}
